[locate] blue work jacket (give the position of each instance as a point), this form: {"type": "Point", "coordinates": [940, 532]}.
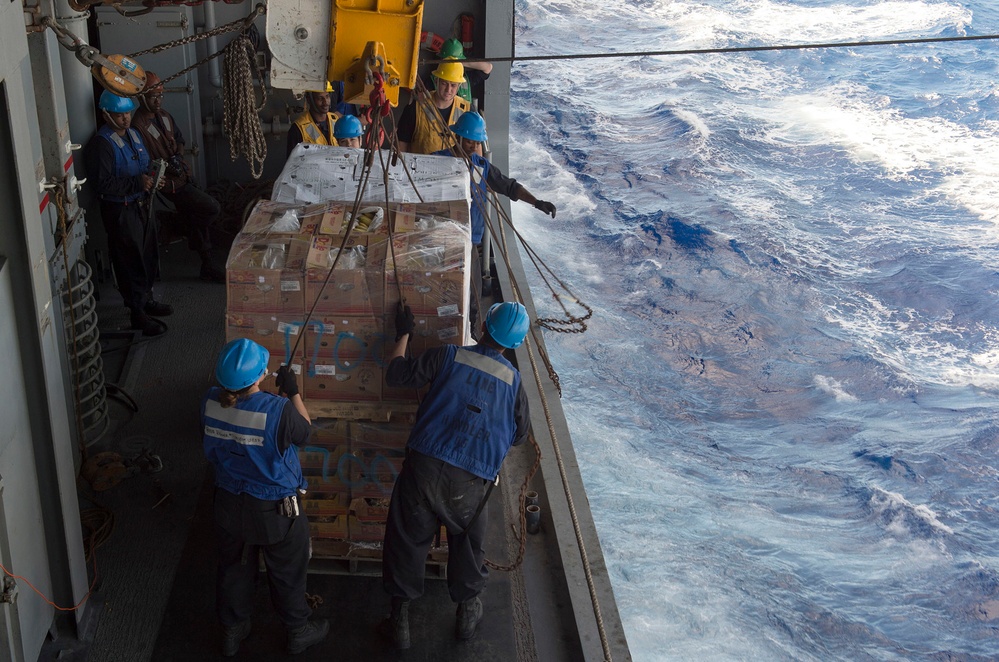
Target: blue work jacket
{"type": "Point", "coordinates": [467, 418]}
{"type": "Point", "coordinates": [131, 159]}
{"type": "Point", "coordinates": [241, 442]}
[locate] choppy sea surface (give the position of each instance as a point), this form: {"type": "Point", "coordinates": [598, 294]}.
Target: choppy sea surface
{"type": "Point", "coordinates": [786, 405]}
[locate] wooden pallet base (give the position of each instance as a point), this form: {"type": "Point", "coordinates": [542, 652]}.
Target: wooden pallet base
{"type": "Point", "coordinates": [343, 557]}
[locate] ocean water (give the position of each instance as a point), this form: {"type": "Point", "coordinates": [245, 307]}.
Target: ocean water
{"type": "Point", "coordinates": [786, 405]}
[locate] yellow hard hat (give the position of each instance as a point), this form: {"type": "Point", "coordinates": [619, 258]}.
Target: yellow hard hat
{"type": "Point", "coordinates": [452, 72]}
{"type": "Point", "coordinates": [329, 88]}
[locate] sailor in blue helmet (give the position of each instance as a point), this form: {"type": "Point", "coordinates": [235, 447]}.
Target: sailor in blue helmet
{"type": "Point", "coordinates": [348, 131]}
{"type": "Point", "coordinates": [473, 412]}
{"type": "Point", "coordinates": [250, 438]}
{"type": "Point", "coordinates": [471, 131]}
{"type": "Point", "coordinates": [119, 163]}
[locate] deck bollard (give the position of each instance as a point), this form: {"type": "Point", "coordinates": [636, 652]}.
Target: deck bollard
{"type": "Point", "coordinates": [533, 519]}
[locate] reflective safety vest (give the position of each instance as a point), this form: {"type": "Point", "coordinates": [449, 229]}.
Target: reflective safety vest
{"type": "Point", "coordinates": [426, 134]}
{"type": "Point", "coordinates": [480, 193]}
{"type": "Point", "coordinates": [160, 140]}
{"type": "Point", "coordinates": [467, 418]}
{"type": "Point", "coordinates": [241, 442]}
{"type": "Point", "coordinates": [312, 134]}
{"type": "Point", "coordinates": [130, 159]}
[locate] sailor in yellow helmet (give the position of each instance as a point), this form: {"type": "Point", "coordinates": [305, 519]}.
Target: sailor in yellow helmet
{"type": "Point", "coordinates": [315, 125]}
{"type": "Point", "coordinates": [416, 131]}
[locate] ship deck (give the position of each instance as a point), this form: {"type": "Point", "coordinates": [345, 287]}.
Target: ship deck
{"type": "Point", "coordinates": [155, 590]}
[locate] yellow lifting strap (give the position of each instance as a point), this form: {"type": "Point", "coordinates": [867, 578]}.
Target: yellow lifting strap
{"type": "Point", "coordinates": [375, 35]}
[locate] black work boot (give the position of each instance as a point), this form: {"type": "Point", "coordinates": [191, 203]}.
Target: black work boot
{"type": "Point", "coordinates": [467, 618]}
{"type": "Point", "coordinates": [143, 322]}
{"type": "Point", "coordinates": [157, 308]}
{"type": "Point", "coordinates": [309, 634]}
{"type": "Point", "coordinates": [395, 628]}
{"type": "Point", "coordinates": [233, 637]}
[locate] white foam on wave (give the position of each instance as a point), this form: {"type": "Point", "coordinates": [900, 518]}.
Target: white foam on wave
{"type": "Point", "coordinates": [912, 345]}
{"type": "Point", "coordinates": [670, 24]}
{"type": "Point", "coordinates": [897, 510]}
{"type": "Point", "coordinates": [873, 131]}
{"type": "Point", "coordinates": [834, 388]}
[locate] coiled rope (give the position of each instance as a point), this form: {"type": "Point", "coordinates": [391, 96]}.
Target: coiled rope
{"type": "Point", "coordinates": [240, 120]}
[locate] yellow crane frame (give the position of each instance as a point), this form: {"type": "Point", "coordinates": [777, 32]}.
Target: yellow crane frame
{"type": "Point", "coordinates": [375, 35]}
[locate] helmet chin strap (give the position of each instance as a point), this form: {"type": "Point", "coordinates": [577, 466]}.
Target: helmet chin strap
{"type": "Point", "coordinates": [110, 120]}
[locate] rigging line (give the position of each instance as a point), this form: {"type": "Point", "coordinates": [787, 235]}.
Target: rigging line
{"type": "Point", "coordinates": [731, 49]}
{"type": "Point", "coordinates": [529, 346]}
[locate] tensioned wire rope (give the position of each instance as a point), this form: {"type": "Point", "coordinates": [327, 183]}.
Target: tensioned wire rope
{"type": "Point", "coordinates": [731, 49]}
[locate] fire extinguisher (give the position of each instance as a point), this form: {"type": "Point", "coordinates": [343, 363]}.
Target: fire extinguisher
{"type": "Point", "coordinates": [467, 28]}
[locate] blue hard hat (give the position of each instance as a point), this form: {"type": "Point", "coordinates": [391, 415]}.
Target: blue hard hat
{"type": "Point", "coordinates": [347, 126]}
{"type": "Point", "coordinates": [471, 126]}
{"type": "Point", "coordinates": [116, 104]}
{"type": "Point", "coordinates": [508, 324]}
{"type": "Point", "coordinates": [241, 363]}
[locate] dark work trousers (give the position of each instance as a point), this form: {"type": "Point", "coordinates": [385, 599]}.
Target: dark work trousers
{"type": "Point", "coordinates": [429, 491]}
{"type": "Point", "coordinates": [133, 248]}
{"type": "Point", "coordinates": [245, 526]}
{"type": "Point", "coordinates": [197, 211]}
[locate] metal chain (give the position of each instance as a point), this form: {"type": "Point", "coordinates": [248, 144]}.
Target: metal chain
{"type": "Point", "coordinates": [521, 536]}
{"type": "Point", "coordinates": [240, 120]}
{"type": "Point", "coordinates": [238, 24]}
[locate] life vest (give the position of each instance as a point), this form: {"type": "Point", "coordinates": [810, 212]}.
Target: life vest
{"type": "Point", "coordinates": [241, 442]}
{"type": "Point", "coordinates": [480, 193]}
{"type": "Point", "coordinates": [465, 90]}
{"type": "Point", "coordinates": [467, 418]}
{"type": "Point", "coordinates": [160, 140]}
{"type": "Point", "coordinates": [312, 134]}
{"type": "Point", "coordinates": [130, 159]}
{"type": "Point", "coordinates": [426, 134]}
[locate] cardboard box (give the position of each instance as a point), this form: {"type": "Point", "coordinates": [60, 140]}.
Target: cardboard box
{"type": "Point", "coordinates": [321, 468]}
{"type": "Point", "coordinates": [370, 509]}
{"type": "Point", "coordinates": [273, 219]}
{"type": "Point", "coordinates": [441, 294]}
{"type": "Point", "coordinates": [266, 275]}
{"type": "Point", "coordinates": [330, 433]}
{"type": "Point", "coordinates": [432, 331]}
{"type": "Point", "coordinates": [366, 436]}
{"type": "Point", "coordinates": [276, 332]}
{"type": "Point", "coordinates": [347, 337]}
{"type": "Point", "coordinates": [329, 527]}
{"type": "Point", "coordinates": [332, 503]}
{"type": "Point", "coordinates": [333, 379]}
{"type": "Point", "coordinates": [361, 531]}
{"type": "Point", "coordinates": [371, 471]}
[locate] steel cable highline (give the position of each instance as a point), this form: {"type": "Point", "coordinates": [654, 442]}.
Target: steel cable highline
{"type": "Point", "coordinates": [731, 49]}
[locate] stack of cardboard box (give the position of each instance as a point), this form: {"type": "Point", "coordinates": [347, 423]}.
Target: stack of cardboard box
{"type": "Point", "coordinates": [323, 301]}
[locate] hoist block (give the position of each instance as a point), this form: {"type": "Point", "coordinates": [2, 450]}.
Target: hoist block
{"type": "Point", "coordinates": [380, 34]}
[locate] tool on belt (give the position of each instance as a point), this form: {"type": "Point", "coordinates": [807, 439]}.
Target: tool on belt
{"type": "Point", "coordinates": [288, 506]}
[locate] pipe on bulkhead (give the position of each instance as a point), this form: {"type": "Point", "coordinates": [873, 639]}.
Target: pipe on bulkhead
{"type": "Point", "coordinates": [77, 82]}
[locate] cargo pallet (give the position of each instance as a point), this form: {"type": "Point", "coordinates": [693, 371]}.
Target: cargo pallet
{"type": "Point", "coordinates": [343, 557]}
